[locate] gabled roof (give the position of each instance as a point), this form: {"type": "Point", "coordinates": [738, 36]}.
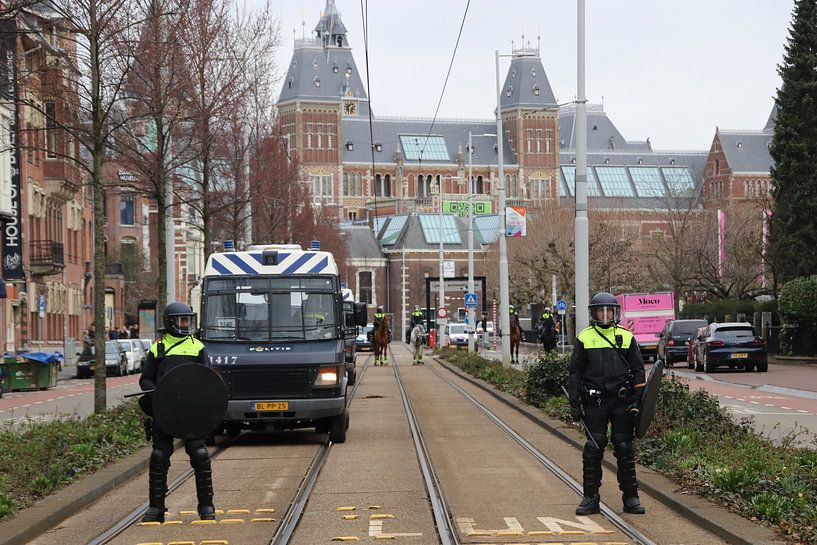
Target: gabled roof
{"type": "Point", "coordinates": [602, 134]}
{"type": "Point", "coordinates": [361, 241]}
{"type": "Point", "coordinates": [747, 151]}
{"type": "Point", "coordinates": [387, 132]}
{"type": "Point", "coordinates": [526, 84]}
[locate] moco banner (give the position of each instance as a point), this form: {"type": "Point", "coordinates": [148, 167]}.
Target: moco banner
{"type": "Point", "coordinates": [12, 231]}
{"type": "Point", "coordinates": [460, 208]}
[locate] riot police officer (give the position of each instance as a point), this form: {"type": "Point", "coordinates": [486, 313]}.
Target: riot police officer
{"type": "Point", "coordinates": [416, 318]}
{"type": "Point", "coordinates": [176, 347]}
{"type": "Point", "coordinates": [605, 385]}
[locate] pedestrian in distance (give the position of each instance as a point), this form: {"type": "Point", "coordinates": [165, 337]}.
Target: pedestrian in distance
{"type": "Point", "coordinates": [605, 386]}
{"type": "Point", "coordinates": [176, 347]}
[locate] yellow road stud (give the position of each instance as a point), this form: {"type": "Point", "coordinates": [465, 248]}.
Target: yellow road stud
{"type": "Point", "coordinates": [171, 522]}
{"type": "Point", "coordinates": [238, 511]}
{"type": "Point", "coordinates": [214, 542]}
{"type": "Point", "coordinates": [597, 532]}
{"type": "Point", "coordinates": [351, 517]}
{"type": "Point", "coordinates": [181, 543]}
{"type": "Point", "coordinates": [572, 533]}
{"type": "Point", "coordinates": [204, 522]}
{"type": "Point", "coordinates": [479, 534]}
{"type": "Point", "coordinates": [540, 533]}
{"type": "Point", "coordinates": [149, 524]}
{"type": "Point", "coordinates": [384, 536]}
{"type": "Point", "coordinates": [265, 510]}
{"type": "Point", "coordinates": [509, 533]}
{"type": "Point", "coordinates": [217, 512]}
{"type": "Point", "coordinates": [346, 538]}
{"type": "Point", "coordinates": [188, 512]}
{"type": "Point", "coordinates": [374, 507]}
{"type": "Point", "coordinates": [262, 519]}
{"type": "Point", "coordinates": [231, 521]}
{"type": "Point", "coordinates": [152, 543]}
{"type": "Point", "coordinates": [381, 516]}
{"type": "Point", "coordinates": [345, 509]}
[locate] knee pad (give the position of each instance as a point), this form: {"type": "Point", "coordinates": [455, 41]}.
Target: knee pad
{"type": "Point", "coordinates": [199, 457]}
{"type": "Point", "coordinates": [624, 449]}
{"type": "Point", "coordinates": [159, 460]}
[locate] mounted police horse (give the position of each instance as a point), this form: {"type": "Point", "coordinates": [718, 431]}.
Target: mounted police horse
{"type": "Point", "coordinates": [381, 342]}
{"type": "Point", "coordinates": [416, 339]}
{"type": "Point", "coordinates": [516, 338]}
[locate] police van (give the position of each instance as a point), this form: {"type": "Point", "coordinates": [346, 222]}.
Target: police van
{"type": "Point", "coordinates": [273, 323]}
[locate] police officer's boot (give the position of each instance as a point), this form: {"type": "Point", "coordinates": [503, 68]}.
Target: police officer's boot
{"type": "Point", "coordinates": [591, 480]}
{"type": "Point", "coordinates": [625, 457]}
{"type": "Point", "coordinates": [157, 487]}
{"type": "Point", "coordinates": [200, 460]}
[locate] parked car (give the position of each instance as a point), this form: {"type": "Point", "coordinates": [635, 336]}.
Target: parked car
{"type": "Point", "coordinates": [116, 359]}
{"type": "Point", "coordinates": [146, 344]}
{"type": "Point", "coordinates": [85, 362]}
{"type": "Point", "coordinates": [457, 336]}
{"type": "Point", "coordinates": [130, 350]}
{"type": "Point", "coordinates": [733, 345]}
{"type": "Point", "coordinates": [692, 346]}
{"type": "Point", "coordinates": [141, 352]}
{"type": "Point", "coordinates": [362, 343]}
{"type": "Point", "coordinates": [673, 339]}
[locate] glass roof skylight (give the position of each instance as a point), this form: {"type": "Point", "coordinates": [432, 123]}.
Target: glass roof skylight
{"type": "Point", "coordinates": [486, 228]}
{"type": "Point", "coordinates": [679, 180]}
{"type": "Point", "coordinates": [431, 229]}
{"type": "Point", "coordinates": [614, 182]}
{"type": "Point", "coordinates": [570, 177]}
{"type": "Point", "coordinates": [420, 147]}
{"type": "Point", "coordinates": [647, 181]}
{"type": "Point", "coordinates": [393, 230]}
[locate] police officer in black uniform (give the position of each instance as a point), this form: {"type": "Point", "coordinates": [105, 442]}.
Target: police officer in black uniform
{"type": "Point", "coordinates": [176, 347]}
{"type": "Point", "coordinates": [605, 385]}
{"type": "Point", "coordinates": [548, 332]}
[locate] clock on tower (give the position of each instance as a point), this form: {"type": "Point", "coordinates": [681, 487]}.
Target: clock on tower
{"type": "Point", "coordinates": [349, 107]}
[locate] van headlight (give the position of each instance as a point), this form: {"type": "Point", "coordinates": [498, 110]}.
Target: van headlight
{"type": "Point", "coordinates": [328, 376]}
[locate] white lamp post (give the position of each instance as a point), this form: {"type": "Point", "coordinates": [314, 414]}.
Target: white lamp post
{"type": "Point", "coordinates": [441, 327]}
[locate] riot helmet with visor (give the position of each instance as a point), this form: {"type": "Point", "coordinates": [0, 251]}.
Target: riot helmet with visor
{"type": "Point", "coordinates": [604, 310]}
{"type": "Point", "coordinates": [179, 319]}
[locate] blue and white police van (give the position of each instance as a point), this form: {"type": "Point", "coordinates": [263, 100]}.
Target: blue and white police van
{"type": "Point", "coordinates": [273, 322]}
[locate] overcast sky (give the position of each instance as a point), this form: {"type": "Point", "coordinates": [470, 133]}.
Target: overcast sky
{"type": "Point", "coordinates": [670, 71]}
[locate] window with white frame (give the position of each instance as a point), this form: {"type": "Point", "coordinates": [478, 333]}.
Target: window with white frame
{"type": "Point", "coordinates": [321, 188]}
{"type": "Point", "coordinates": [539, 188]}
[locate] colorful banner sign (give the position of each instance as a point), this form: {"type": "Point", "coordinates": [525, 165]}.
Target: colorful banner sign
{"type": "Point", "coordinates": [516, 221]}
{"type": "Point", "coordinates": [12, 230]}
{"type": "Point", "coordinates": [460, 208]}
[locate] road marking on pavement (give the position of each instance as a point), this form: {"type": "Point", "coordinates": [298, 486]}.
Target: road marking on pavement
{"type": "Point", "coordinates": [787, 408]}
{"type": "Point", "coordinates": [376, 531]}
{"type": "Point", "coordinates": [801, 411]}
{"type": "Point", "coordinates": [755, 402]}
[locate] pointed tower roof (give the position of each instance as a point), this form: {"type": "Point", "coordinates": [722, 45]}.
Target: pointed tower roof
{"type": "Point", "coordinates": [772, 120]}
{"type": "Point", "coordinates": [322, 67]}
{"type": "Point", "coordinates": [330, 27]}
{"type": "Point", "coordinates": [526, 85]}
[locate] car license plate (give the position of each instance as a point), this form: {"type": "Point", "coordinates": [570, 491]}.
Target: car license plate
{"type": "Point", "coordinates": [271, 406]}
{"type": "Point", "coordinates": [739, 355]}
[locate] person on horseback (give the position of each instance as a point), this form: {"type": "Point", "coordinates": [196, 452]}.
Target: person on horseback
{"type": "Point", "coordinates": [605, 386]}
{"type": "Point", "coordinates": [547, 333]}
{"type": "Point", "coordinates": [515, 333]}
{"type": "Point", "coordinates": [379, 316]}
{"type": "Point", "coordinates": [416, 318]}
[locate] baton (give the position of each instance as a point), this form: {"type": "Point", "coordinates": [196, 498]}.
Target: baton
{"type": "Point", "coordinates": [139, 393]}
{"type": "Point", "coordinates": [584, 426]}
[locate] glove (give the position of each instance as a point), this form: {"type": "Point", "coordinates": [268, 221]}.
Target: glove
{"type": "Point", "coordinates": [634, 406]}
{"type": "Point", "coordinates": [576, 413]}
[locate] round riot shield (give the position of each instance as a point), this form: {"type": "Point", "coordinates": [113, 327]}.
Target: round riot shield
{"type": "Point", "coordinates": [650, 399]}
{"type": "Point", "coordinates": [190, 401]}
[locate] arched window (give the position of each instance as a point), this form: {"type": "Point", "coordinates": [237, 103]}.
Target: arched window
{"type": "Point", "coordinates": [429, 185]}
{"type": "Point", "coordinates": [359, 188]}
{"type": "Point", "coordinates": [480, 189]}
{"type": "Point", "coordinates": [346, 183]}
{"type": "Point", "coordinates": [378, 190]}
{"type": "Point", "coordinates": [387, 185]}
{"type": "Point", "coordinates": [420, 187]}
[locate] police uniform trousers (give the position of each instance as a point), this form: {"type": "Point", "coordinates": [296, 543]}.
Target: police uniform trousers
{"type": "Point", "coordinates": [612, 409]}
{"type": "Point", "coordinates": [160, 463]}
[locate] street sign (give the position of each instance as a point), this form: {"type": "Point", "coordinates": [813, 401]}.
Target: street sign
{"type": "Point", "coordinates": [451, 286]}
{"type": "Point", "coordinates": [561, 306]}
{"type": "Point", "coordinates": [41, 305]}
{"type": "Point", "coordinates": [441, 312]}
{"type": "Point", "coordinates": [470, 299]}
{"type": "Point", "coordinates": [448, 269]}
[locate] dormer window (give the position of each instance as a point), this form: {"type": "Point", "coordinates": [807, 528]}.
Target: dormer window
{"type": "Point", "coordinates": [350, 145]}
{"type": "Point", "coordinates": [739, 144]}
{"type": "Point", "coordinates": [316, 81]}
{"type": "Point", "coordinates": [509, 91]}
{"type": "Point", "coordinates": [314, 64]}
{"type": "Point", "coordinates": [289, 83]}
{"type": "Point", "coordinates": [335, 68]}
{"type": "Point", "coordinates": [378, 146]}
{"type": "Point", "coordinates": [606, 160]}
{"type": "Point", "coordinates": [533, 72]}
{"type": "Point", "coordinates": [672, 161]}
{"type": "Point", "coordinates": [535, 90]}
{"type": "Point", "coordinates": [348, 70]}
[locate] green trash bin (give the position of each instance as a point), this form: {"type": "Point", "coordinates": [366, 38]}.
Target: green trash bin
{"type": "Point", "coordinates": [20, 373]}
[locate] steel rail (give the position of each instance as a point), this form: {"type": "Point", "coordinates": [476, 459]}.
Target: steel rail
{"type": "Point", "coordinates": [442, 519]}
{"type": "Point", "coordinates": [611, 515]}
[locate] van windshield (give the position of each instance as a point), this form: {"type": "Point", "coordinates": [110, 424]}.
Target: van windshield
{"type": "Point", "coordinates": [269, 309]}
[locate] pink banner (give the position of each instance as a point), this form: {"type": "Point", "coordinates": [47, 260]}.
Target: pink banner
{"type": "Point", "coordinates": [646, 301]}
{"type": "Point", "coordinates": [721, 241]}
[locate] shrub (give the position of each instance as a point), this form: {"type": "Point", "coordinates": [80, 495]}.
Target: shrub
{"type": "Point", "coordinates": [769, 506]}
{"type": "Point", "coordinates": [735, 480]}
{"type": "Point", "coordinates": [545, 377]}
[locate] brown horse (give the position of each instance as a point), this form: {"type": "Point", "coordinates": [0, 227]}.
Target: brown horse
{"type": "Point", "coordinates": [381, 342]}
{"type": "Point", "coordinates": [516, 338]}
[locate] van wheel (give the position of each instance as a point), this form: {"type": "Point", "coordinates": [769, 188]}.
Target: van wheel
{"type": "Point", "coordinates": [338, 426]}
{"type": "Point", "coordinates": [762, 367]}
{"type": "Point", "coordinates": [708, 367]}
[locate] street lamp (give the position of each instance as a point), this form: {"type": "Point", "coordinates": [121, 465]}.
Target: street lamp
{"type": "Point", "coordinates": [471, 310]}
{"type": "Point", "coordinates": [441, 332]}
{"type": "Point", "coordinates": [504, 291]}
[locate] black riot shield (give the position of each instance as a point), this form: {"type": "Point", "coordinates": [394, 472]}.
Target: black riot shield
{"type": "Point", "coordinates": [189, 401]}
{"type": "Point", "coordinates": [650, 399]}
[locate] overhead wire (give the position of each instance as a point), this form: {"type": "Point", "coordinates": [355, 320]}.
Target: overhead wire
{"type": "Point", "coordinates": [364, 13]}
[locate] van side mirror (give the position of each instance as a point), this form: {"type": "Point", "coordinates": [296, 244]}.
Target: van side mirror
{"type": "Point", "coordinates": [361, 315]}
{"type": "Point", "coordinates": [349, 319]}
